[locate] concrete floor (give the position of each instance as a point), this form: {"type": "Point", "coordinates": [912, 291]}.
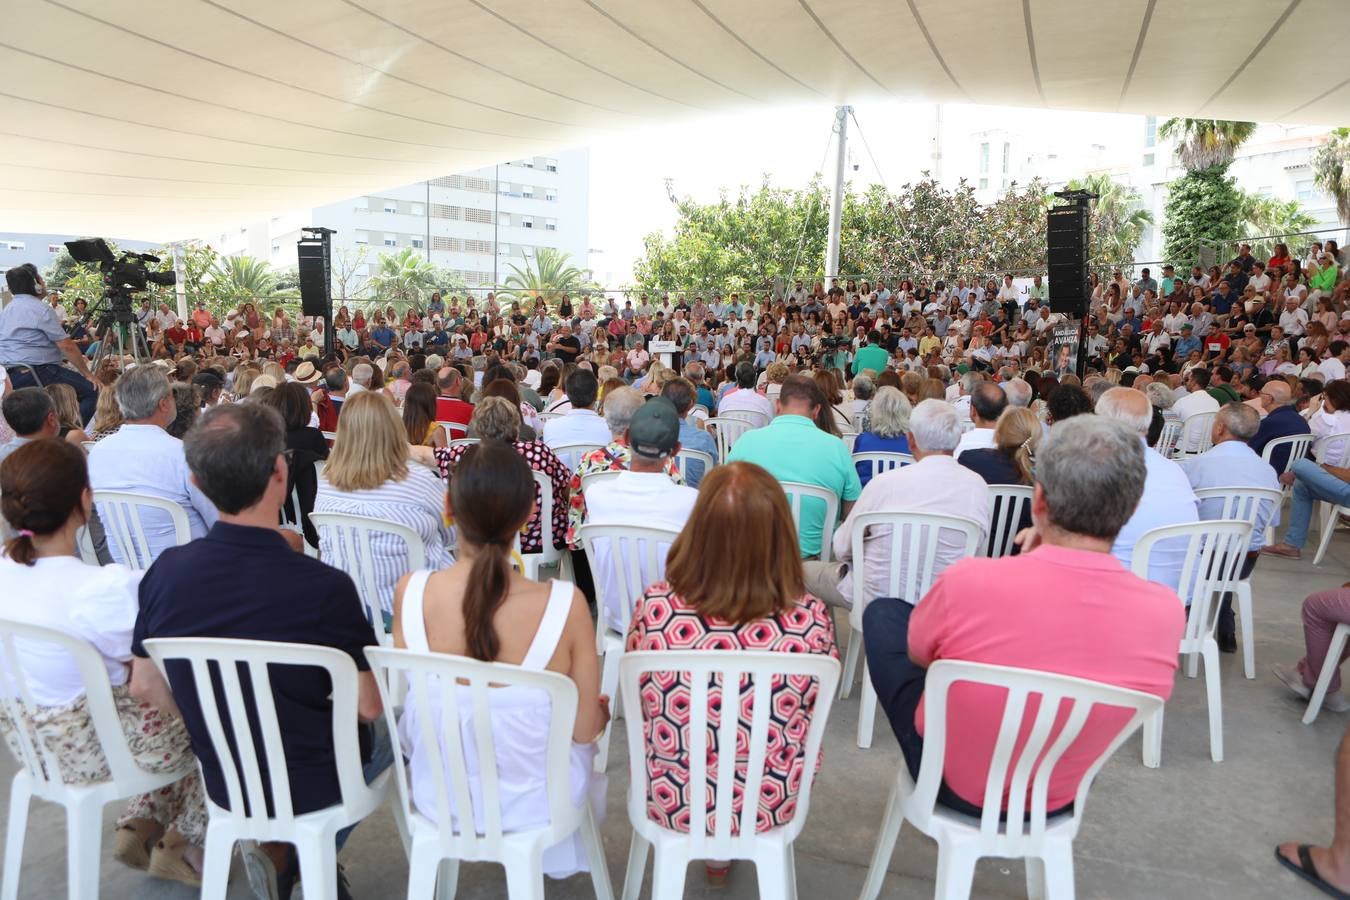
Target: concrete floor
{"type": "Point", "coordinates": [1192, 828]}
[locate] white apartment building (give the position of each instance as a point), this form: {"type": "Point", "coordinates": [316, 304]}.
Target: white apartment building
{"type": "Point", "coordinates": [477, 223]}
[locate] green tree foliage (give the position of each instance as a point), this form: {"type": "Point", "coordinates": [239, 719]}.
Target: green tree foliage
{"type": "Point", "coordinates": [1259, 216]}
{"type": "Point", "coordinates": [246, 279]}
{"type": "Point", "coordinates": [1202, 207]}
{"type": "Point", "coordinates": [549, 274]}
{"type": "Point", "coordinates": [1118, 220]}
{"type": "Point", "coordinates": [1205, 143]}
{"type": "Point", "coordinates": [403, 277]}
{"type": "Point", "coordinates": [1331, 170]}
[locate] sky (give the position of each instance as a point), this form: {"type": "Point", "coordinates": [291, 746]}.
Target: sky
{"type": "Point", "coordinates": [702, 156]}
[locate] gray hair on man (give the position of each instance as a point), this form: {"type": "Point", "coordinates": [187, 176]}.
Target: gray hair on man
{"type": "Point", "coordinates": [1091, 472]}
{"type": "Point", "coordinates": [864, 387]}
{"type": "Point", "coordinates": [362, 374]}
{"type": "Point", "coordinates": [969, 381]}
{"type": "Point", "coordinates": [1161, 396]}
{"type": "Point", "coordinates": [621, 404]}
{"type": "Point", "coordinates": [1240, 420]}
{"type": "Point", "coordinates": [140, 391]}
{"type": "Point", "coordinates": [889, 414]}
{"type": "Point", "coordinates": [1098, 389]}
{"type": "Point", "coordinates": [1126, 405]}
{"type": "Point", "coordinates": [936, 427]}
{"type": "Point", "coordinates": [1018, 392]}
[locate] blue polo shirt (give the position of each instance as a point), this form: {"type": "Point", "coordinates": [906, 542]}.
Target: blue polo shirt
{"type": "Point", "coordinates": [29, 330]}
{"type": "Point", "coordinates": [792, 448]}
{"type": "Point", "coordinates": [248, 584]}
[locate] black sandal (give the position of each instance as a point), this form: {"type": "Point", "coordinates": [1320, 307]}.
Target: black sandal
{"type": "Point", "coordinates": [1308, 872]}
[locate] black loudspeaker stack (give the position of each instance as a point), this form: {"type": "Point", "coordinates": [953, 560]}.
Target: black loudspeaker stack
{"type": "Point", "coordinates": [314, 261]}
{"type": "Point", "coordinates": [1067, 239]}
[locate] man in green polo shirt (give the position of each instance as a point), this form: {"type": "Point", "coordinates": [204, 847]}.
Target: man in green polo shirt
{"type": "Point", "coordinates": [871, 355]}
{"type": "Point", "coordinates": [792, 448]}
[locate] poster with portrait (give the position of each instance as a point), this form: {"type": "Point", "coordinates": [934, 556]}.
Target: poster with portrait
{"type": "Point", "coordinates": [1062, 351]}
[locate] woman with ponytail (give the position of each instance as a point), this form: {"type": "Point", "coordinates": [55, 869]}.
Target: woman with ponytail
{"type": "Point", "coordinates": [45, 498]}
{"type": "Point", "coordinates": [481, 608]}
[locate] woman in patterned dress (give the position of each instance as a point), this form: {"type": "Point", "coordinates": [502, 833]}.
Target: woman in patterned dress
{"type": "Point", "coordinates": [753, 599]}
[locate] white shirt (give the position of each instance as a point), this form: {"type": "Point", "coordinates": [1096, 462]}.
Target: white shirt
{"type": "Point", "coordinates": [1167, 500]}
{"type": "Point", "coordinates": [1295, 321]}
{"type": "Point", "coordinates": [1189, 405]}
{"type": "Point", "coordinates": [975, 439]}
{"type": "Point", "coordinates": [1234, 464]}
{"type": "Point", "coordinates": [935, 484]}
{"type": "Point", "coordinates": [94, 603]}
{"type": "Point", "coordinates": [146, 459]}
{"type": "Point", "coordinates": [578, 426]}
{"type": "Point", "coordinates": [1332, 369]}
{"type": "Point", "coordinates": [747, 400]}
{"type": "Point", "coordinates": [634, 498]}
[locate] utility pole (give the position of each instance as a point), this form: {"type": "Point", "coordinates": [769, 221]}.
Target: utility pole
{"type": "Point", "coordinates": [841, 114]}
{"type": "Point", "coordinates": [936, 153]}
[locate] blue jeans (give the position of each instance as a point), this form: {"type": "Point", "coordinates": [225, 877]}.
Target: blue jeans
{"type": "Point", "coordinates": [381, 758]}
{"type": "Point", "coordinates": [1311, 482]}
{"type": "Point", "coordinates": [55, 373]}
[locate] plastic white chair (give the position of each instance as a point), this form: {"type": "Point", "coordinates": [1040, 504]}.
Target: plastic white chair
{"type": "Point", "coordinates": [1329, 666]}
{"type": "Point", "coordinates": [882, 461]}
{"type": "Point", "coordinates": [347, 542]}
{"type": "Point", "coordinates": [464, 688]}
{"type": "Point", "coordinates": [1299, 446]}
{"type": "Point", "coordinates": [549, 555]}
{"type": "Point", "coordinates": [593, 478]}
{"type": "Point", "coordinates": [1167, 440]}
{"type": "Point", "coordinates": [772, 851]}
{"type": "Point", "coordinates": [914, 542]}
{"type": "Point", "coordinates": [329, 436]}
{"type": "Point", "coordinates": [454, 430]}
{"type": "Point", "coordinates": [624, 561]}
{"type": "Point", "coordinates": [686, 456]}
{"type": "Point", "coordinates": [1248, 505]}
{"type": "Point", "coordinates": [1197, 432]}
{"type": "Point", "coordinates": [258, 758]}
{"type": "Point", "coordinates": [88, 445]}
{"type": "Point", "coordinates": [750, 417]}
{"type": "Point", "coordinates": [40, 774]}
{"type": "Point", "coordinates": [727, 430]}
{"type": "Point", "coordinates": [571, 454]}
{"type": "Point", "coordinates": [1026, 831]}
{"type": "Point", "coordinates": [545, 416]}
{"type": "Point", "coordinates": [1214, 555]}
{"type": "Point", "coordinates": [1334, 449]}
{"type": "Point", "coordinates": [1327, 514]}
{"type": "Point", "coordinates": [849, 438]}
{"type": "Point", "coordinates": [1007, 503]}
{"type": "Point", "coordinates": [797, 493]}
{"type": "Point", "coordinates": [120, 513]}
{"type": "Point", "coordinates": [292, 518]}
{"type": "Point", "coordinates": [466, 441]}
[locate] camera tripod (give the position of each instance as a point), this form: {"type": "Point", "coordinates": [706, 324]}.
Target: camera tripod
{"type": "Point", "coordinates": [127, 335]}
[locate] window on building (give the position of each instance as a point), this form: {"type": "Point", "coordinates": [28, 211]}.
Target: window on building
{"type": "Point", "coordinates": [503, 249]}
{"type": "Point", "coordinates": [481, 216]}
{"type": "Point", "coordinates": [362, 237]}
{"type": "Point", "coordinates": [419, 243]}
{"type": "Point", "coordinates": [526, 221]}
{"type": "Point", "coordinates": [551, 225]}
{"type": "Point", "coordinates": [482, 185]}
{"type": "Point", "coordinates": [984, 184]}
{"type": "Point", "coordinates": [1007, 153]}
{"type": "Point", "coordinates": [276, 247]}
{"type": "Point", "coordinates": [1305, 190]}
{"type": "Point", "coordinates": [1266, 190]}
{"type": "Point", "coordinates": [550, 194]}
{"type": "Point", "coordinates": [390, 206]}
{"type": "Point", "coordinates": [442, 211]}
{"type": "Point", "coordinates": [391, 240]}
{"type": "Point", "coordinates": [1149, 159]}
{"type": "Point", "coordinates": [419, 209]}
{"type": "Point", "coordinates": [1150, 131]}
{"type": "Point", "coordinates": [527, 191]}
{"type": "Point", "coordinates": [550, 165]}
{"type": "Point", "coordinates": [55, 248]}
{"type": "Point", "coordinates": [17, 245]}
{"type": "Point", "coordinates": [984, 157]}
{"type": "Point", "coordinates": [504, 220]}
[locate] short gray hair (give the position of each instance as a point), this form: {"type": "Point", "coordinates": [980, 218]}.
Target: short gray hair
{"type": "Point", "coordinates": [362, 373]}
{"type": "Point", "coordinates": [621, 404]}
{"type": "Point", "coordinates": [936, 426]}
{"type": "Point", "coordinates": [863, 387]}
{"type": "Point", "coordinates": [1126, 405]}
{"type": "Point", "coordinates": [1161, 396]}
{"type": "Point", "coordinates": [1091, 470]}
{"type": "Point", "coordinates": [140, 390]}
{"type": "Point", "coordinates": [496, 419]}
{"type": "Point", "coordinates": [1018, 392]}
{"type": "Point", "coordinates": [890, 412]}
{"type": "Point", "coordinates": [1240, 419]}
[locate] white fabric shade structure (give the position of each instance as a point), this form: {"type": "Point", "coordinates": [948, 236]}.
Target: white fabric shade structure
{"type": "Point", "coordinates": [161, 119]}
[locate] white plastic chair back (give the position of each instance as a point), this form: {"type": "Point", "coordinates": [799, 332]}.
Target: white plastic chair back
{"type": "Point", "coordinates": [464, 441]}
{"type": "Point", "coordinates": [571, 454]}
{"type": "Point", "coordinates": [346, 542]}
{"type": "Point", "coordinates": [1167, 440]}
{"type": "Point", "coordinates": [686, 456]}
{"type": "Point", "coordinates": [849, 438]}
{"type": "Point", "coordinates": [39, 771]}
{"type": "Point", "coordinates": [1299, 446]}
{"type": "Point", "coordinates": [593, 478]}
{"type": "Point", "coordinates": [727, 430]}
{"type": "Point", "coordinates": [1239, 504]}
{"type": "Point", "coordinates": [750, 417]}
{"type": "Point", "coordinates": [88, 445]}
{"type": "Point", "coordinates": [1196, 434]}
{"type": "Point", "coordinates": [120, 512]}
{"type": "Point", "coordinates": [1007, 503]}
{"type": "Point", "coordinates": [329, 436]}
{"type": "Point", "coordinates": [454, 430]}
{"type": "Point", "coordinates": [257, 757]}
{"type": "Point", "coordinates": [882, 461]}
{"type": "Point", "coordinates": [549, 554]}
{"type": "Point", "coordinates": [798, 494]}
{"type": "Point", "coordinates": [463, 763]}
{"type": "Point", "coordinates": [624, 561]}
{"type": "Point", "coordinates": [1334, 449]}
{"type": "Point", "coordinates": [754, 673]}
{"type": "Point", "coordinates": [1022, 775]}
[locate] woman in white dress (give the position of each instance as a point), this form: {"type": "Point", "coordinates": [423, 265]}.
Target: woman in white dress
{"type": "Point", "coordinates": [1329, 413]}
{"type": "Point", "coordinates": [483, 609]}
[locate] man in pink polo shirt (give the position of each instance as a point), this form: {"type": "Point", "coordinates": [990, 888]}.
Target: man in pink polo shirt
{"type": "Point", "coordinates": [1065, 605]}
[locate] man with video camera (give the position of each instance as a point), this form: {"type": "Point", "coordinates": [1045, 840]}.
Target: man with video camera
{"type": "Point", "coordinates": [31, 336]}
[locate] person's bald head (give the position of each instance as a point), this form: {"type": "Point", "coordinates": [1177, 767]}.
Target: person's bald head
{"type": "Point", "coordinates": [1276, 393]}
{"type": "Point", "coordinates": [1142, 381]}
{"type": "Point", "coordinates": [1127, 405]}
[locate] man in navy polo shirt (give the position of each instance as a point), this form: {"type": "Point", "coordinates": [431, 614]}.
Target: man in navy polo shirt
{"type": "Point", "coordinates": [245, 580]}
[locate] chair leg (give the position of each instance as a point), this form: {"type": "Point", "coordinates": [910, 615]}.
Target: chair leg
{"type": "Point", "coordinates": [20, 792]}
{"type": "Point", "coordinates": [891, 821]}
{"type": "Point", "coordinates": [1329, 665]}
{"type": "Point", "coordinates": [955, 872]}
{"type": "Point", "coordinates": [318, 864]}
{"type": "Point", "coordinates": [423, 864]}
{"type": "Point", "coordinates": [595, 856]}
{"type": "Point", "coordinates": [1035, 878]}
{"type": "Point", "coordinates": [1244, 599]}
{"type": "Point", "coordinates": [1210, 650]}
{"type": "Point", "coordinates": [867, 710]}
{"type": "Point", "coordinates": [84, 830]}
{"type": "Point", "coordinates": [447, 879]}
{"type": "Point", "coordinates": [1057, 871]}
{"type": "Point", "coordinates": [668, 872]}
{"type": "Point", "coordinates": [609, 686]}
{"type": "Point", "coordinates": [773, 870]}
{"type": "Point", "coordinates": [850, 663]}
{"type": "Point", "coordinates": [637, 867]}
{"type": "Point", "coordinates": [525, 877]}
{"type": "Point", "coordinates": [1328, 531]}
{"type": "Point", "coordinates": [216, 862]}
{"type": "Point", "coordinates": [1153, 729]}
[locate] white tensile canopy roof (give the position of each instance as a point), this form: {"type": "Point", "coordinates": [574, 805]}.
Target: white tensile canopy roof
{"type": "Point", "coordinates": [160, 119]}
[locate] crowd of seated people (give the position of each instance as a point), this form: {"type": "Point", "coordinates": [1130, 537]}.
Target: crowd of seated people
{"type": "Point", "coordinates": [958, 378]}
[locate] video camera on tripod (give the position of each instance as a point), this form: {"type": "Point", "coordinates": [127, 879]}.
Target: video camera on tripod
{"type": "Point", "coordinates": [123, 275]}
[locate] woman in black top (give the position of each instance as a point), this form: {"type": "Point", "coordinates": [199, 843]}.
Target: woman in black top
{"type": "Point", "coordinates": [305, 446]}
{"type": "Point", "coordinates": [1009, 461]}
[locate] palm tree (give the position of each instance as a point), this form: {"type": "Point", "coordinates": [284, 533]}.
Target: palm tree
{"type": "Point", "coordinates": [1205, 143]}
{"type": "Point", "coordinates": [246, 277]}
{"type": "Point", "coordinates": [1331, 170]}
{"type": "Point", "coordinates": [550, 274]}
{"type": "Point", "coordinates": [1118, 219]}
{"type": "Point", "coordinates": [403, 277]}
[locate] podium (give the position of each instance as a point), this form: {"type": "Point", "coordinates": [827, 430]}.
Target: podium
{"type": "Point", "coordinates": [665, 350]}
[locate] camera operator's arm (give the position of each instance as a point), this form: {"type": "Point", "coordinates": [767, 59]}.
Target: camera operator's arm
{"type": "Point", "coordinates": [71, 351]}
